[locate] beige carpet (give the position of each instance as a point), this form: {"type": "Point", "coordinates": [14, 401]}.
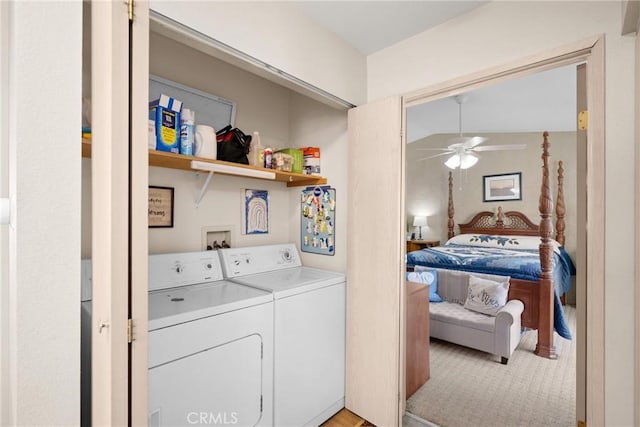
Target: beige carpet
{"type": "Point", "coordinates": [472, 388]}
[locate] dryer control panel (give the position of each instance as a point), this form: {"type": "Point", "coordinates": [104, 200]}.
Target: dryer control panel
{"type": "Point", "coordinates": [237, 262]}
{"type": "Point", "coordinates": [187, 268]}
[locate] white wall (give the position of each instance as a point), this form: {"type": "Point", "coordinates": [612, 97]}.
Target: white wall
{"type": "Point", "coordinates": [283, 118]}
{"type": "Point", "coordinates": [44, 283]}
{"type": "Point", "coordinates": [280, 35]}
{"type": "Point", "coordinates": [502, 32]}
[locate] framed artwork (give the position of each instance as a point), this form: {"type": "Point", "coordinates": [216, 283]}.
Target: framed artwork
{"type": "Point", "coordinates": [504, 187]}
{"type": "Point", "coordinates": [160, 207]}
{"type": "Point", "coordinates": [255, 212]}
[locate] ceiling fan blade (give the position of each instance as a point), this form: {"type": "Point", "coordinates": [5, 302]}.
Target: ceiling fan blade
{"type": "Point", "coordinates": [458, 142]}
{"type": "Point", "coordinates": [434, 149]}
{"type": "Point", "coordinates": [501, 147]}
{"type": "Point", "coordinates": [474, 141]}
{"type": "Point", "coordinates": [466, 141]}
{"type": "Point", "coordinates": [432, 157]}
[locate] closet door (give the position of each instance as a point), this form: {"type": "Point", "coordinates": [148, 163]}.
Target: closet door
{"type": "Point", "coordinates": [375, 261]}
{"type": "Point", "coordinates": [119, 212]}
{"type": "Point", "coordinates": [110, 212]}
{"type": "Point", "coordinates": [139, 232]}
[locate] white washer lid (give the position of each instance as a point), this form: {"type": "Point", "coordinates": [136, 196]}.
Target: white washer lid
{"type": "Point", "coordinates": [171, 306]}
{"type": "Point", "coordinates": [291, 281]}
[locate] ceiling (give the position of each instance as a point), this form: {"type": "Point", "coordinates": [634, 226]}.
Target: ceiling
{"type": "Point", "coordinates": [370, 26]}
{"type": "Point", "coordinates": [541, 101]}
{"type": "Point", "coordinates": [544, 100]}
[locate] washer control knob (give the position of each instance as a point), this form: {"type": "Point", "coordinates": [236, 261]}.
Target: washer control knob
{"type": "Point", "coordinates": [179, 269]}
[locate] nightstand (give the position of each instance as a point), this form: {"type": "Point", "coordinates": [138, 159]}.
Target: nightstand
{"type": "Point", "coordinates": [416, 245]}
{"type": "Point", "coordinates": [417, 341]}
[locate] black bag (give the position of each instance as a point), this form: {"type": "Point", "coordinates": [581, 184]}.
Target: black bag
{"type": "Point", "coordinates": [233, 145]}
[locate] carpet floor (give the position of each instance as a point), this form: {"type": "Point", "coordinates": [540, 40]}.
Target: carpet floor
{"type": "Point", "coordinates": [471, 388]}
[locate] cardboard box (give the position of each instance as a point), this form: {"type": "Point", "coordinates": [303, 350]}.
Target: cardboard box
{"type": "Point", "coordinates": [311, 160]}
{"type": "Point", "coordinates": [282, 161]}
{"type": "Point", "coordinates": [166, 113]}
{"type": "Point", "coordinates": [296, 154]}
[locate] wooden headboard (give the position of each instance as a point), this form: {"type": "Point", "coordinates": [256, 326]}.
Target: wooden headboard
{"type": "Point", "coordinates": [508, 223]}
{"type": "Point", "coordinates": [516, 223]}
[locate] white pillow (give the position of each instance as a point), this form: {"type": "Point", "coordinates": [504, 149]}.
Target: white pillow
{"type": "Point", "coordinates": [486, 296]}
{"type": "Point", "coordinates": [504, 242]}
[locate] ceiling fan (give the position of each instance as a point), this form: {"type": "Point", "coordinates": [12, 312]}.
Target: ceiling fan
{"type": "Point", "coordinates": [463, 150]}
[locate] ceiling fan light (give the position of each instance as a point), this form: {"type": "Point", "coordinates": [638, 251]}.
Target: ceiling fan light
{"type": "Point", "coordinates": [453, 161]}
{"type": "Point", "coordinates": [468, 160]}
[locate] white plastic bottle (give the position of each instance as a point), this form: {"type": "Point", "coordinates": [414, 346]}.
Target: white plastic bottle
{"type": "Point", "coordinates": [256, 155]}
{"type": "Point", "coordinates": [187, 131]}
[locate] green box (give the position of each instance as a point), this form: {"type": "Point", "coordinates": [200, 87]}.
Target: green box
{"type": "Point", "coordinates": [296, 154]}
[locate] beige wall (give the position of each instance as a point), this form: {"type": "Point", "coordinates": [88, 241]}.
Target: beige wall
{"type": "Point", "coordinates": [427, 180]}
{"type": "Point", "coordinates": [283, 118]}
{"type": "Point", "coordinates": [314, 124]}
{"type": "Point", "coordinates": [502, 32]}
{"type": "Point", "coordinates": [280, 35]}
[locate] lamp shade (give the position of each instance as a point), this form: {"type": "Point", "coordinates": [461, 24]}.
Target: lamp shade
{"type": "Point", "coordinates": [419, 221]}
{"type": "Point", "coordinates": [453, 161]}
{"type": "Point", "coordinates": [461, 160]}
{"type": "Point", "coordinates": [467, 160]}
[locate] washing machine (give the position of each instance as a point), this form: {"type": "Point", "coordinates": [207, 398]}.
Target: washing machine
{"type": "Point", "coordinates": [85, 342]}
{"type": "Point", "coordinates": [309, 329]}
{"type": "Point", "coordinates": [210, 345]}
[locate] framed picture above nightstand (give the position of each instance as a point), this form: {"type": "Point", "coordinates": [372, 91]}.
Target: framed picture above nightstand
{"type": "Point", "coordinates": [415, 245]}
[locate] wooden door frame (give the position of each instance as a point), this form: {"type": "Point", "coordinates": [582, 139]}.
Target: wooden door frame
{"type": "Point", "coordinates": [590, 50]}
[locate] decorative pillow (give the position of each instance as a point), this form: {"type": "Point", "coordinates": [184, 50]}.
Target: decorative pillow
{"type": "Point", "coordinates": [429, 277]}
{"type": "Point", "coordinates": [486, 296]}
{"type": "Point", "coordinates": [504, 242]}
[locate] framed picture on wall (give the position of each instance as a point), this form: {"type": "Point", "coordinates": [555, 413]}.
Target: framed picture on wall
{"type": "Point", "coordinates": [160, 207]}
{"type": "Point", "coordinates": [255, 212]}
{"type": "Point", "coordinates": [503, 187]}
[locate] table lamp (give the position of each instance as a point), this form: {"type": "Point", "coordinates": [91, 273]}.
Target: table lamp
{"type": "Point", "coordinates": [420, 221]}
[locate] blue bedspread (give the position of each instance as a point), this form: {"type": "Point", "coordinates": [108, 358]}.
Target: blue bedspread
{"type": "Point", "coordinates": [519, 264]}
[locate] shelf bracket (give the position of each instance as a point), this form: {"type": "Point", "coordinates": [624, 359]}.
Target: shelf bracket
{"type": "Point", "coordinates": [204, 188]}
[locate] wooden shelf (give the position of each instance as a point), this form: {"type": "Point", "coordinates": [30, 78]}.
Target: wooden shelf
{"type": "Point", "coordinates": [178, 161]}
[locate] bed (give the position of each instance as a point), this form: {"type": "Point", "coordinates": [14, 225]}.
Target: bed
{"type": "Point", "coordinates": [510, 244]}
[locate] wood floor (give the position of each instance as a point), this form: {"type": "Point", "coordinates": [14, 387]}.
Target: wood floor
{"type": "Point", "coordinates": [346, 418]}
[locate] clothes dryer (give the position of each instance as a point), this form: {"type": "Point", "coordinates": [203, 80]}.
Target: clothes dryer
{"type": "Point", "coordinates": [210, 345]}
{"type": "Point", "coordinates": [309, 329]}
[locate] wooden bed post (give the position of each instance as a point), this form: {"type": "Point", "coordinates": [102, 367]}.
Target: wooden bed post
{"type": "Point", "coordinates": [560, 210]}
{"type": "Point", "coordinates": [450, 223]}
{"type": "Point", "coordinates": [545, 347]}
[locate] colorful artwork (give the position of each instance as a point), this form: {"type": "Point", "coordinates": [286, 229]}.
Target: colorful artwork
{"type": "Point", "coordinates": [317, 221]}
{"type": "Point", "coordinates": [255, 214]}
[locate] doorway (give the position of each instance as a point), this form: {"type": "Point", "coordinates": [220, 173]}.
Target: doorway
{"type": "Point", "coordinates": [500, 118]}
{"type": "Point", "coordinates": [592, 52]}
